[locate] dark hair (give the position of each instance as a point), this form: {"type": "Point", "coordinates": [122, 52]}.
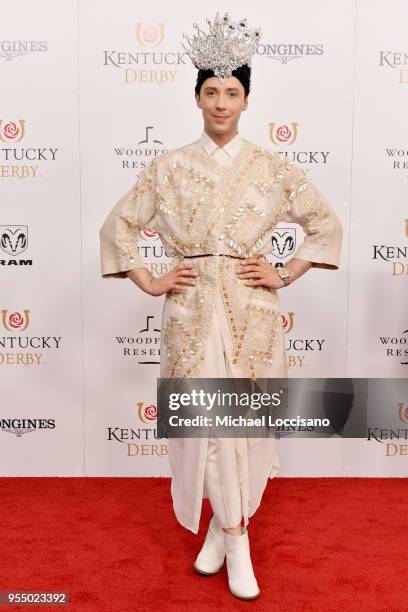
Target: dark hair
{"type": "Point", "coordinates": [243, 74]}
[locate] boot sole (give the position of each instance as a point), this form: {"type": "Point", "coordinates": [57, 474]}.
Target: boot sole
{"type": "Point", "coordinates": [203, 573]}
{"type": "Point", "coordinates": [246, 598]}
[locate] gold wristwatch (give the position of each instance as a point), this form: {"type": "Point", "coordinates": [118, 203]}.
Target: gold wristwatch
{"type": "Point", "coordinates": [284, 274]}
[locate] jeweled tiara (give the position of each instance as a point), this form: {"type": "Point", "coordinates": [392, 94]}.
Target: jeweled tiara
{"type": "Point", "coordinates": [227, 46]}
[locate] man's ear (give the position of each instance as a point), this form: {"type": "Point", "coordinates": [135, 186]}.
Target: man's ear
{"type": "Point", "coordinates": [198, 100]}
{"type": "Point", "coordinates": [245, 104]}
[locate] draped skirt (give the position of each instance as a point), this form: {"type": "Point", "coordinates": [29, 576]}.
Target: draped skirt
{"type": "Point", "coordinates": [252, 460]}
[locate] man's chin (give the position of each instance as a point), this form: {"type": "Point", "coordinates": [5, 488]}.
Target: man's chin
{"type": "Point", "coordinates": [220, 128]}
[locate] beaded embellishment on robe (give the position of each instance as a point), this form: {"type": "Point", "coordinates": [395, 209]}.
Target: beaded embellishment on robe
{"type": "Point", "coordinates": [198, 206]}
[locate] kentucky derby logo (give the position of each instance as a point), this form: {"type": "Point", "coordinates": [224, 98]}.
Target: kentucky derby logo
{"type": "Point", "coordinates": [397, 60]}
{"type": "Point", "coordinates": [403, 412]}
{"type": "Point", "coordinates": [287, 322]}
{"type": "Point", "coordinates": [15, 321]}
{"type": "Point", "coordinates": [283, 242]}
{"type": "Point", "coordinates": [146, 414]}
{"type": "Point", "coordinates": [13, 239]}
{"type": "Point", "coordinates": [10, 131]}
{"type": "Point", "coordinates": [283, 134]}
{"type": "Point", "coordinates": [150, 36]}
{"type": "Point", "coordinates": [149, 234]}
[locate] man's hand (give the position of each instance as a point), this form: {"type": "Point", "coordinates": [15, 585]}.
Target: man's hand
{"type": "Point", "coordinates": [259, 272]}
{"type": "Point", "coordinates": [175, 280]}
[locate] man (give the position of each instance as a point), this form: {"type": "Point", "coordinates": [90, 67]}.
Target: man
{"type": "Point", "coordinates": [215, 204]}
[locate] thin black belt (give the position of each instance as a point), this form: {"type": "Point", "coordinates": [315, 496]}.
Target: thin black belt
{"type": "Point", "coordinates": [215, 254]}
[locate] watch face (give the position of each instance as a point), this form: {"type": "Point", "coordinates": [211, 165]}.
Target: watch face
{"type": "Point", "coordinates": [283, 273]}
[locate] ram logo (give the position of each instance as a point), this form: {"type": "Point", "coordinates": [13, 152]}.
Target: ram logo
{"type": "Point", "coordinates": [13, 239]}
{"type": "Point", "coordinates": [283, 242]}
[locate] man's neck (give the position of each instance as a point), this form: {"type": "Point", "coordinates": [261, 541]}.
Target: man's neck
{"type": "Point", "coordinates": [221, 139]}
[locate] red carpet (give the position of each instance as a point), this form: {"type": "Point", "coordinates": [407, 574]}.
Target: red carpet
{"type": "Point", "coordinates": [327, 544]}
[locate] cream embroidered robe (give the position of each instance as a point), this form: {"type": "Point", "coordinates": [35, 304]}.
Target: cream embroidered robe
{"type": "Point", "coordinates": [198, 205]}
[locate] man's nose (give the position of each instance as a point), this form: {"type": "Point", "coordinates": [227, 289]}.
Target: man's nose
{"type": "Point", "coordinates": [220, 103]}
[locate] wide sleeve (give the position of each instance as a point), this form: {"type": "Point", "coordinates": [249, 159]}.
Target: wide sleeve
{"type": "Point", "coordinates": [305, 205]}
{"type": "Point", "coordinates": [121, 229]}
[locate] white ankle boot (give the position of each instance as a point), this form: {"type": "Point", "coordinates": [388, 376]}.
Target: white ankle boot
{"type": "Point", "coordinates": [211, 557]}
{"type": "Point", "coordinates": [241, 577]}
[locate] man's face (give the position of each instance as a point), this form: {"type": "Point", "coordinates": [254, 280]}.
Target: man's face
{"type": "Point", "coordinates": [222, 104]}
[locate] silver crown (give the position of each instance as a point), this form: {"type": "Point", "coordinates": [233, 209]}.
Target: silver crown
{"type": "Point", "coordinates": [227, 46]}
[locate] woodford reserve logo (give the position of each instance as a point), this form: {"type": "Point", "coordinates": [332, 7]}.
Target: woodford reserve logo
{"type": "Point", "coordinates": [396, 347]}
{"type": "Point", "coordinates": [145, 345]}
{"type": "Point", "coordinates": [138, 157]}
{"type": "Point", "coordinates": [152, 63]}
{"type": "Point", "coordinates": [21, 162]}
{"type": "Point", "coordinates": [20, 349]}
{"type": "Point", "coordinates": [144, 441]}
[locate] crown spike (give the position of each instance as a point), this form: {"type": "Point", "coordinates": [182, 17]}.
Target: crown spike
{"type": "Point", "coordinates": [227, 46]}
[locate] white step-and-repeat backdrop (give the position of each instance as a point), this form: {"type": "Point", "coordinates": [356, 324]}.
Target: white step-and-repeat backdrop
{"type": "Point", "coordinates": [90, 91]}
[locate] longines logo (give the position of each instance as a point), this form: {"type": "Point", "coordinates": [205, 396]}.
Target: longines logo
{"type": "Point", "coordinates": [396, 347]}
{"type": "Point", "coordinates": [283, 242]}
{"type": "Point", "coordinates": [20, 349]}
{"type": "Point", "coordinates": [145, 345]}
{"type": "Point", "coordinates": [141, 441]}
{"type": "Point", "coordinates": [284, 135]}
{"type": "Point", "coordinates": [10, 49]}
{"type": "Point", "coordinates": [396, 255]}
{"type": "Point", "coordinates": [139, 157]}
{"type": "Point", "coordinates": [396, 60]}
{"type": "Point", "coordinates": [151, 62]}
{"type": "Point", "coordinates": [18, 427]}
{"type": "Point", "coordinates": [19, 158]}
{"type": "Point", "coordinates": [287, 52]}
{"type": "Point", "coordinates": [13, 242]}
{"type": "Point", "coordinates": [300, 348]}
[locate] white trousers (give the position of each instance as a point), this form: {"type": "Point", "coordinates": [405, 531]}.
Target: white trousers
{"type": "Point", "coordinates": [226, 505]}
{"type": "Point", "coordinates": [236, 471]}
{"type": "Point", "coordinates": [231, 472]}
